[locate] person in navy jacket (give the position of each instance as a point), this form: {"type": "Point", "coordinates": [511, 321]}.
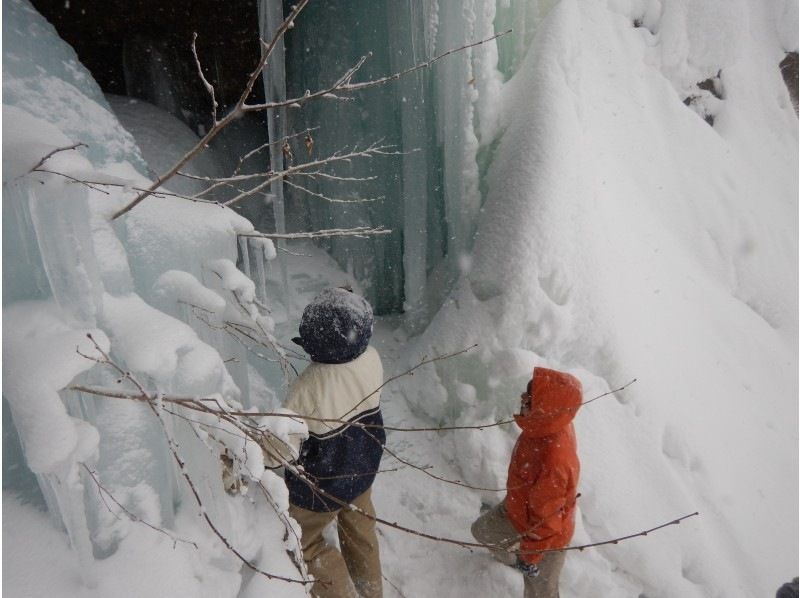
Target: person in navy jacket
{"type": "Point", "coordinates": [339, 460]}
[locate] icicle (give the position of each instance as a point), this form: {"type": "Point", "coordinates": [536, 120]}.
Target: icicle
{"type": "Point", "coordinates": [244, 249]}
{"type": "Point", "coordinates": [270, 18]}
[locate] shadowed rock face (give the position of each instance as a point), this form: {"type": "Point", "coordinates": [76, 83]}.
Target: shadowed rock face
{"type": "Point", "coordinates": [142, 48]}
{"type": "Point", "coordinates": [789, 71]}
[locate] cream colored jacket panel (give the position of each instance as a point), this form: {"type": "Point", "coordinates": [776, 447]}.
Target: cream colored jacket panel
{"type": "Point", "coordinates": [339, 391]}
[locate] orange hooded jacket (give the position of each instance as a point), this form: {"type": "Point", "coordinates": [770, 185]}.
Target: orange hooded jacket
{"type": "Point", "coordinates": [544, 469]}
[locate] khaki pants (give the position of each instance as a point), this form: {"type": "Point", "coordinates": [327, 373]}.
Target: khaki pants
{"type": "Point", "coordinates": [493, 527]}
{"type": "Point", "coordinates": [356, 570]}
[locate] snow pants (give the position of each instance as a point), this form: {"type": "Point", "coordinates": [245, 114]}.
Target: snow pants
{"type": "Point", "coordinates": [356, 570]}
{"type": "Point", "coordinates": [493, 527]}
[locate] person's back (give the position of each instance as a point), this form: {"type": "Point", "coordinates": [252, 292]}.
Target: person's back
{"type": "Point", "coordinates": [339, 459]}
{"type": "Point", "coordinates": [340, 394]}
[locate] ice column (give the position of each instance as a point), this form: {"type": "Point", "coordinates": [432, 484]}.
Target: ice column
{"type": "Point", "coordinates": [411, 94]}
{"type": "Point", "coordinates": [270, 17]}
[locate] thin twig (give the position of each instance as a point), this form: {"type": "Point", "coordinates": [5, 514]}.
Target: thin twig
{"type": "Point", "coordinates": [407, 372]}
{"type": "Point", "coordinates": [233, 115]}
{"type": "Point", "coordinates": [264, 146]}
{"type": "Point", "coordinates": [610, 392]}
{"type": "Point", "coordinates": [332, 199]}
{"type": "Point", "coordinates": [129, 395]}
{"type": "Point", "coordinates": [95, 184]}
{"type": "Point", "coordinates": [103, 490]}
{"type": "Point", "coordinates": [361, 231]}
{"type": "Point", "coordinates": [471, 545]}
{"type": "Point", "coordinates": [208, 86]}
{"type": "Point", "coordinates": [371, 150]}
{"type": "Point", "coordinates": [343, 85]}
{"type": "Point", "coordinates": [334, 177]}
{"type": "Point", "coordinates": [151, 403]}
{"type": "Point", "coordinates": [583, 547]}
{"type": "Point", "coordinates": [49, 155]}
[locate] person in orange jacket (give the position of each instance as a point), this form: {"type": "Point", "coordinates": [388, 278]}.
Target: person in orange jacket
{"type": "Point", "coordinates": [537, 516]}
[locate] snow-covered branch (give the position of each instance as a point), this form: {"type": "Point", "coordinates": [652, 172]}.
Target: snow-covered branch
{"type": "Point", "coordinates": [154, 402]}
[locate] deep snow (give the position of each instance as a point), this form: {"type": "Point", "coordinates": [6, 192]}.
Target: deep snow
{"type": "Point", "coordinates": [620, 237]}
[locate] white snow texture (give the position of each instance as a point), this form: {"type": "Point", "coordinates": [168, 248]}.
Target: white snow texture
{"type": "Point", "coordinates": [625, 222]}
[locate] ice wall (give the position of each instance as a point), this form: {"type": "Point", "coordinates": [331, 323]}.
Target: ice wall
{"type": "Point", "coordinates": [155, 290]}
{"type": "Point", "coordinates": [438, 120]}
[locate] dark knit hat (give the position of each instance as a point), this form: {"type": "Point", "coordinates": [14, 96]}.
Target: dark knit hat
{"type": "Point", "coordinates": [336, 326]}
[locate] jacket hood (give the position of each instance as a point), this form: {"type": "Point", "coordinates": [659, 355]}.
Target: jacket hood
{"type": "Point", "coordinates": [336, 326]}
{"type": "Point", "coordinates": [556, 399]}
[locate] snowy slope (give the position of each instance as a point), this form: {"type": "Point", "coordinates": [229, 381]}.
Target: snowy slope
{"type": "Point", "coordinates": [623, 237]}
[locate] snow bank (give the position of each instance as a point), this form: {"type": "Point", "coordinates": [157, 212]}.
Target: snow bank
{"type": "Point", "coordinates": [149, 563]}
{"type": "Point", "coordinates": [625, 237]}
{"type": "Point", "coordinates": [41, 356]}
{"type": "Point", "coordinates": [183, 287]}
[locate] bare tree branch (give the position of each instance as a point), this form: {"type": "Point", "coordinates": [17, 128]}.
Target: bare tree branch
{"type": "Point", "coordinates": [196, 403]}
{"type": "Point", "coordinates": [152, 402]}
{"type": "Point", "coordinates": [280, 141]}
{"type": "Point", "coordinates": [49, 155]}
{"type": "Point", "coordinates": [372, 150]}
{"type": "Point", "coordinates": [410, 371]}
{"type": "Point", "coordinates": [95, 185]}
{"type": "Point", "coordinates": [471, 545]}
{"type": "Point", "coordinates": [208, 86]}
{"type": "Point", "coordinates": [104, 491]}
{"type": "Point", "coordinates": [361, 231]}
{"type": "Point", "coordinates": [583, 547]}
{"type": "Point", "coordinates": [610, 392]}
{"type": "Point", "coordinates": [332, 199]}
{"type": "Point", "coordinates": [333, 177]}
{"type": "Point", "coordinates": [178, 399]}
{"type": "Point", "coordinates": [343, 84]}
{"type": "Point", "coordinates": [234, 114]}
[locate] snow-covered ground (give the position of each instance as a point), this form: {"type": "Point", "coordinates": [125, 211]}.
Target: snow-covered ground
{"type": "Point", "coordinates": [621, 236]}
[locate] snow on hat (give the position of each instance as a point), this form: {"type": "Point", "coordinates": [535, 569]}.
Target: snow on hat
{"type": "Point", "coordinates": [336, 326]}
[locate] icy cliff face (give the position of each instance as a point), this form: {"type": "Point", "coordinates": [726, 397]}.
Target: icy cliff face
{"type": "Point", "coordinates": [79, 286]}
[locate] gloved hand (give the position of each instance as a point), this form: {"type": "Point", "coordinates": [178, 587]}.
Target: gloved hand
{"type": "Point", "coordinates": [528, 569]}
